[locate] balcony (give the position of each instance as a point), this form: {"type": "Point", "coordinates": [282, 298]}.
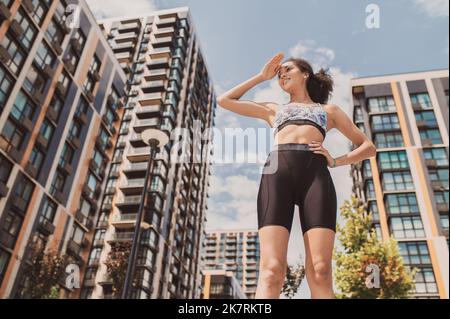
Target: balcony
{"type": "Point", "coordinates": [46, 227]}
{"type": "Point", "coordinates": [437, 186]}
{"type": "Point", "coordinates": [5, 14]}
{"type": "Point", "coordinates": [164, 52]}
{"type": "Point", "coordinates": [153, 86]}
{"type": "Point", "coordinates": [147, 112]}
{"type": "Point", "coordinates": [133, 186]}
{"type": "Point", "coordinates": [136, 170]}
{"type": "Point", "coordinates": [124, 221]}
{"type": "Point", "coordinates": [442, 207]}
{"type": "Point", "coordinates": [121, 237]}
{"type": "Point", "coordinates": [105, 281]}
{"type": "Point", "coordinates": [83, 220]}
{"type": "Point", "coordinates": [3, 189]}
{"type": "Point", "coordinates": [431, 163]}
{"type": "Point", "coordinates": [427, 142]}
{"type": "Point", "coordinates": [161, 63]}
{"type": "Point", "coordinates": [151, 99]}
{"type": "Point", "coordinates": [142, 125]}
{"type": "Point", "coordinates": [99, 243]}
{"type": "Point", "coordinates": [156, 74]}
{"type": "Point", "coordinates": [164, 32]}
{"type": "Point", "coordinates": [129, 203]}
{"type": "Point", "coordinates": [74, 249]}
{"type": "Point", "coordinates": [162, 42]}
{"type": "Point", "coordinates": [126, 36]}
{"type": "Point", "coordinates": [166, 22]}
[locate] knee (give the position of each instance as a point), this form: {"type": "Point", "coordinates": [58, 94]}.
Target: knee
{"type": "Point", "coordinates": [322, 272]}
{"type": "Point", "coordinates": [273, 272]}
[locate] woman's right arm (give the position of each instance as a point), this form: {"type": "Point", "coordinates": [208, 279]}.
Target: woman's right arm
{"type": "Point", "coordinates": [263, 110]}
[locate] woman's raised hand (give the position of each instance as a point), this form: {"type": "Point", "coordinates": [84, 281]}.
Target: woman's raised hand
{"type": "Point", "coordinates": [271, 68]}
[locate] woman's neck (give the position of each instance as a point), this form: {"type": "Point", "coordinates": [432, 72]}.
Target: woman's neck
{"type": "Point", "coordinates": [301, 97]}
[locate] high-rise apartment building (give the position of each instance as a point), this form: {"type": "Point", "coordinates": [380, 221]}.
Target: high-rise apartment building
{"type": "Point", "coordinates": [221, 284]}
{"type": "Point", "coordinates": [168, 88]}
{"type": "Point", "coordinates": [236, 251]}
{"type": "Point", "coordinates": [406, 185]}
{"type": "Point", "coordinates": [60, 105]}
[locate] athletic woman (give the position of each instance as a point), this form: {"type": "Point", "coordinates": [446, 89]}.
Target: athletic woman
{"type": "Point", "coordinates": [302, 174]}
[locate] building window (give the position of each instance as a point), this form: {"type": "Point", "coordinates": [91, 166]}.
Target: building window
{"type": "Point", "coordinates": [4, 261]}
{"type": "Point", "coordinates": [75, 130]}
{"type": "Point", "coordinates": [441, 197]}
{"type": "Point", "coordinates": [358, 117]}
{"type": "Point", "coordinates": [401, 204]}
{"type": "Point", "coordinates": [439, 176]}
{"type": "Point", "coordinates": [437, 154]}
{"type": "Point", "coordinates": [425, 281]}
{"type": "Point", "coordinates": [44, 56]}
{"type": "Point", "coordinates": [373, 208]}
{"type": "Point", "coordinates": [23, 108]}
{"type": "Point", "coordinates": [6, 84]}
{"type": "Point", "coordinates": [48, 211]}
{"type": "Point", "coordinates": [385, 122]}
{"type": "Point", "coordinates": [29, 31]}
{"type": "Point", "coordinates": [92, 182]}
{"type": "Point", "coordinates": [444, 221]}
{"type": "Point", "coordinates": [90, 81]}
{"type": "Point", "coordinates": [5, 169]}
{"type": "Point", "coordinates": [421, 101]}
{"type": "Point", "coordinates": [36, 158]}
{"type": "Point", "coordinates": [66, 155]}
{"type": "Point", "coordinates": [77, 234]}
{"type": "Point", "coordinates": [34, 83]}
{"type": "Point", "coordinates": [40, 9]}
{"type": "Point", "coordinates": [414, 253]}
{"type": "Point", "coordinates": [430, 136]}
{"type": "Point", "coordinates": [47, 130]}
{"type": "Point", "coordinates": [85, 207]}
{"type": "Point", "coordinates": [58, 183]}
{"type": "Point", "coordinates": [426, 118]}
{"type": "Point", "coordinates": [64, 81]}
{"type": "Point", "coordinates": [54, 32]}
{"type": "Point", "coordinates": [381, 104]}
{"type": "Point", "coordinates": [396, 181]}
{"type": "Point", "coordinates": [56, 105]}
{"type": "Point", "coordinates": [407, 227]}
{"type": "Point", "coordinates": [12, 135]}
{"type": "Point", "coordinates": [393, 160]}
{"type": "Point", "coordinates": [386, 140]}
{"type": "Point", "coordinates": [16, 52]}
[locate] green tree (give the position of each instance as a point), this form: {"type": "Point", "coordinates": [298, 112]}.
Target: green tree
{"type": "Point", "coordinates": [294, 277]}
{"type": "Point", "coordinates": [116, 264]}
{"type": "Point", "coordinates": [43, 270]}
{"type": "Point", "coordinates": [363, 256]}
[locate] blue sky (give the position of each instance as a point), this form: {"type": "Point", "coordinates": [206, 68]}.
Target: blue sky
{"type": "Point", "coordinates": [238, 36]}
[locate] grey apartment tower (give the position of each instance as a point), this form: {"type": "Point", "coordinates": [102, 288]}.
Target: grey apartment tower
{"type": "Point", "coordinates": [168, 87]}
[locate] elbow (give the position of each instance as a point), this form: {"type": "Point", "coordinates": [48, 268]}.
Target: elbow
{"type": "Point", "coordinates": [221, 100]}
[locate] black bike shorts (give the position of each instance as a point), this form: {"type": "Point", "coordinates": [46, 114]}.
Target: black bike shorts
{"type": "Point", "coordinates": [295, 175]}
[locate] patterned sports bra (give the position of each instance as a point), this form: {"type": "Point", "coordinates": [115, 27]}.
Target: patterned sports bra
{"type": "Point", "coordinates": [314, 115]}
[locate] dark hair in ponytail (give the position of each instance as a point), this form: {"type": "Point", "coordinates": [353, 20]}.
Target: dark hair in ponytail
{"type": "Point", "coordinates": [319, 85]}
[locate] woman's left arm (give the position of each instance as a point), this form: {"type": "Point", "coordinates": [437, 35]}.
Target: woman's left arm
{"type": "Point", "coordinates": [365, 147]}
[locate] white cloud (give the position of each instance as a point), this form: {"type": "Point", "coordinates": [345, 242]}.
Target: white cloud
{"type": "Point", "coordinates": [117, 8]}
{"type": "Point", "coordinates": [434, 8]}
{"type": "Point", "coordinates": [239, 212]}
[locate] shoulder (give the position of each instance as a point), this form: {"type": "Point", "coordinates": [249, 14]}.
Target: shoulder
{"type": "Point", "coordinates": [331, 108]}
{"type": "Point", "coordinates": [333, 112]}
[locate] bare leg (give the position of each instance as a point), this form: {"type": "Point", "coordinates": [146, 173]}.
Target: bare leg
{"type": "Point", "coordinates": [319, 243]}
{"type": "Point", "coordinates": [272, 268]}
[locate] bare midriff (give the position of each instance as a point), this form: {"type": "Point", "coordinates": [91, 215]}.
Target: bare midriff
{"type": "Point", "coordinates": [298, 134]}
